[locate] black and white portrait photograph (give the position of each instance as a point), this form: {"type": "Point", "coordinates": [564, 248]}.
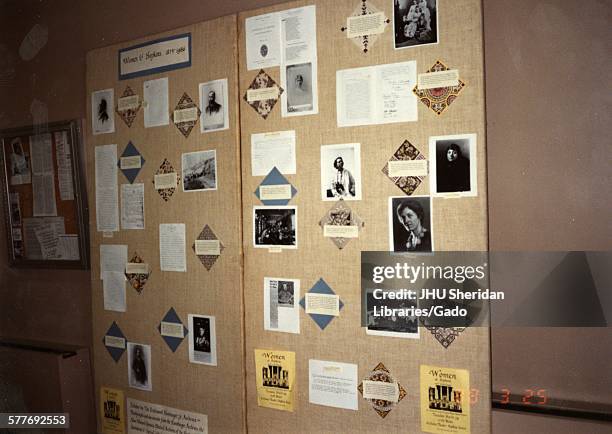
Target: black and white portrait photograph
{"type": "Point", "coordinates": [199, 171]}
{"type": "Point", "coordinates": [341, 172]}
{"type": "Point", "coordinates": [19, 163]}
{"type": "Point", "coordinates": [299, 88]}
{"type": "Point", "coordinates": [139, 366]}
{"type": "Point", "coordinates": [381, 324]}
{"type": "Point", "coordinates": [415, 22]}
{"type": "Point", "coordinates": [214, 106]}
{"type": "Point", "coordinates": [410, 224]}
{"type": "Point", "coordinates": [202, 342]}
{"type": "Point", "coordinates": [453, 165]}
{"type": "Point", "coordinates": [285, 294]}
{"type": "Point", "coordinates": [275, 227]}
{"type": "Point", "coordinates": [102, 111]}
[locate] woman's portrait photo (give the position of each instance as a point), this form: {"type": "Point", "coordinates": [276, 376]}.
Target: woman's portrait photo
{"type": "Point", "coordinates": [453, 165]}
{"type": "Point", "coordinates": [102, 110]}
{"type": "Point", "coordinates": [410, 224]}
{"type": "Point", "coordinates": [139, 366]}
{"type": "Point", "coordinates": [299, 87]}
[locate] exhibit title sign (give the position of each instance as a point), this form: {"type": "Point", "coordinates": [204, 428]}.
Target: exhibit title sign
{"type": "Point", "coordinates": [156, 56]}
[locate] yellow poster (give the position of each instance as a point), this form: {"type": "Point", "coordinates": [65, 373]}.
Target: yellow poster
{"type": "Point", "coordinates": [275, 374]}
{"type": "Point", "coordinates": [445, 400]}
{"type": "Point", "coordinates": [111, 411]}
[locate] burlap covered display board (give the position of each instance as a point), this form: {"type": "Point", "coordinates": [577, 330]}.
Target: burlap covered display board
{"type": "Point", "coordinates": [459, 224]}
{"type": "Point", "coordinates": [212, 284]}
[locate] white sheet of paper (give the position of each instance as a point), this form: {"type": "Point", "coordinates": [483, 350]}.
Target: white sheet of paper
{"type": "Point", "coordinates": [262, 41]}
{"type": "Point", "coordinates": [132, 206]}
{"type": "Point", "coordinates": [47, 238]}
{"type": "Point", "coordinates": [41, 153]}
{"type": "Point", "coordinates": [332, 384]}
{"type": "Point", "coordinates": [275, 192]}
{"type": "Point", "coordinates": [172, 330]}
{"type": "Point", "coordinates": [364, 25]}
{"type": "Point", "coordinates": [281, 314]}
{"type": "Point", "coordinates": [378, 94]}
{"type": "Point", "coordinates": [172, 247]}
{"type": "Point", "coordinates": [64, 166]}
{"type": "Point", "coordinates": [299, 58]}
{"type": "Point", "coordinates": [207, 247]}
{"type": "Point", "coordinates": [380, 390]}
{"type": "Point", "coordinates": [165, 180]}
{"type": "Point", "coordinates": [31, 244]}
{"type": "Point", "coordinates": [398, 168]}
{"type": "Point", "coordinates": [113, 286]}
{"type": "Point", "coordinates": [155, 96]}
{"type": "Point", "coordinates": [270, 150]}
{"type": "Point", "coordinates": [133, 162]}
{"type": "Point", "coordinates": [112, 258]}
{"type": "Point", "coordinates": [68, 247]}
{"type": "Point", "coordinates": [107, 202]}
{"type": "Point", "coordinates": [136, 268]}
{"type": "Point", "coordinates": [322, 304]}
{"type": "Point", "coordinates": [432, 80]}
{"type": "Point", "coordinates": [43, 192]}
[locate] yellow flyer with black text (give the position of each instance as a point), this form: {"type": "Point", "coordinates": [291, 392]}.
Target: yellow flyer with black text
{"type": "Point", "coordinates": [112, 411]}
{"type": "Point", "coordinates": [445, 400]}
{"type": "Point", "coordinates": [275, 374]}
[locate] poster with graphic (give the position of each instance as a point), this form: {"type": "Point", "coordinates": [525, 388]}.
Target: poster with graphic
{"type": "Point", "coordinates": [275, 376]}
{"type": "Point", "coordinates": [112, 412]}
{"type": "Point", "coordinates": [445, 400]}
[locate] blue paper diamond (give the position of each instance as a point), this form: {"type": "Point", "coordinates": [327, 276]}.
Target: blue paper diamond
{"type": "Point", "coordinates": [321, 287]}
{"type": "Point", "coordinates": [131, 151]}
{"type": "Point", "coordinates": [115, 332]}
{"type": "Point", "coordinates": [275, 178]}
{"type": "Point", "coordinates": [171, 317]}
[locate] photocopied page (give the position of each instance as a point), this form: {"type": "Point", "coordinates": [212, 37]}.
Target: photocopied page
{"type": "Point", "coordinates": [376, 94]}
{"type": "Point", "coordinates": [43, 185]}
{"type": "Point", "coordinates": [263, 41]}
{"type": "Point", "coordinates": [275, 149]}
{"type": "Point", "coordinates": [155, 95]}
{"type": "Point", "coordinates": [281, 309]}
{"type": "Point", "coordinates": [64, 166]}
{"type": "Point", "coordinates": [332, 384]}
{"type": "Point", "coordinates": [172, 247]}
{"type": "Point", "coordinates": [113, 257]}
{"type": "Point", "coordinates": [132, 206]}
{"type": "Point", "coordinates": [107, 205]}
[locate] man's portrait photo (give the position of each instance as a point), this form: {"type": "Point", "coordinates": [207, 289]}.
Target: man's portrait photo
{"type": "Point", "coordinates": [213, 103]}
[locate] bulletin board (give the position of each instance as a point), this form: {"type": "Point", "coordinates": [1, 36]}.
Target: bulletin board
{"type": "Point", "coordinates": [45, 192]}
{"type": "Point", "coordinates": [459, 223]}
{"type": "Point", "coordinates": [207, 289]}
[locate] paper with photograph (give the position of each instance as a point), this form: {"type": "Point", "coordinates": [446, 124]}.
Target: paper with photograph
{"type": "Point", "coordinates": [381, 324]}
{"type": "Point", "coordinates": [214, 103]}
{"type": "Point", "coordinates": [156, 104]}
{"type": "Point", "coordinates": [199, 170]}
{"type": "Point", "coordinates": [275, 379]}
{"type": "Point", "coordinates": [341, 172]}
{"type": "Point", "coordinates": [262, 41]}
{"type": "Point", "coordinates": [332, 384]}
{"type": "Point", "coordinates": [453, 166]}
{"type": "Point", "coordinates": [281, 305]}
{"type": "Point", "coordinates": [378, 94]}
{"type": "Point", "coordinates": [139, 366]}
{"type": "Point", "coordinates": [275, 227]}
{"type": "Point", "coordinates": [269, 150]}
{"type": "Point", "coordinates": [107, 202]}
{"type": "Point", "coordinates": [172, 247]}
{"type": "Point", "coordinates": [103, 111]}
{"type": "Point", "coordinates": [132, 206]}
{"type": "Point", "coordinates": [410, 224]}
{"type": "Point", "coordinates": [299, 61]}
{"type": "Point", "coordinates": [202, 340]}
{"type": "Point", "coordinates": [415, 23]}
{"type": "Point", "coordinates": [19, 162]}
